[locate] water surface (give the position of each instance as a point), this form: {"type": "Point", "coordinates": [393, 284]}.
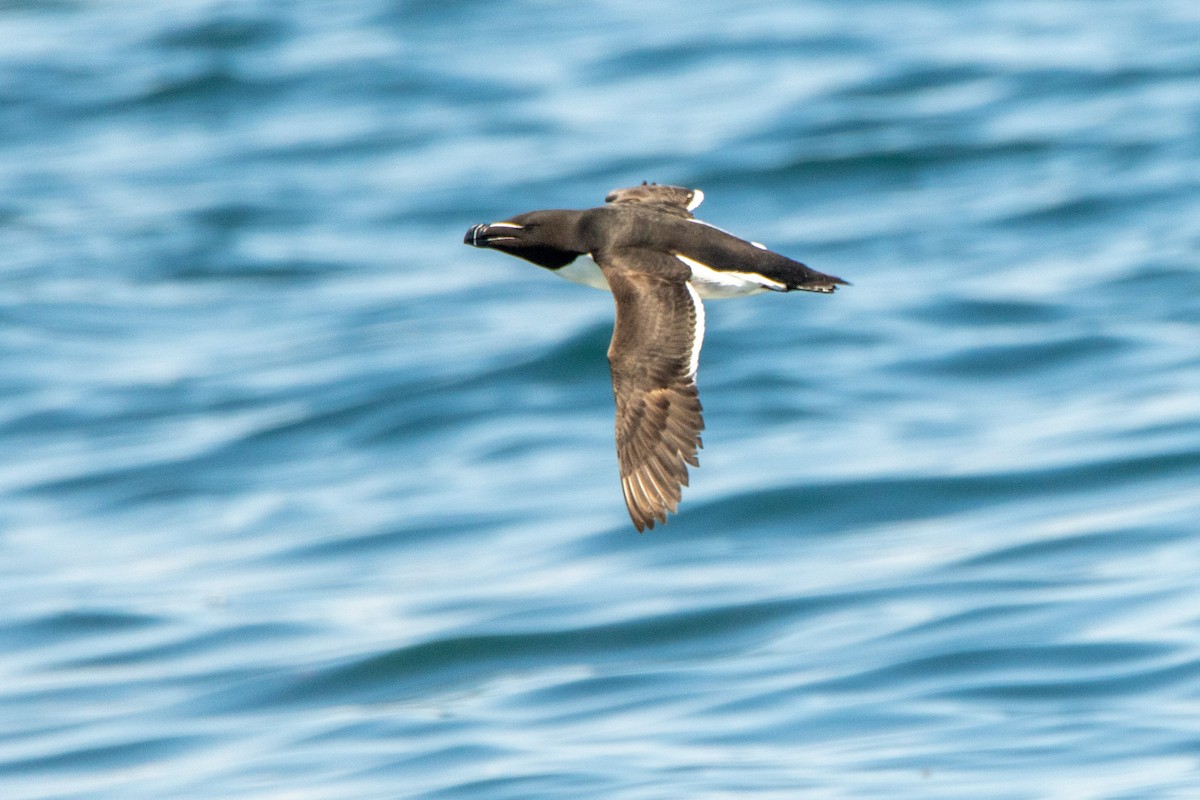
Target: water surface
{"type": "Point", "coordinates": [302, 498]}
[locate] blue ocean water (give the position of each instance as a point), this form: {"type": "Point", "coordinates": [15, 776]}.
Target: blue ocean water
{"type": "Point", "coordinates": [301, 498]}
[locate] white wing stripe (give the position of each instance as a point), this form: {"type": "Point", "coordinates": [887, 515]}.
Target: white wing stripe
{"type": "Point", "coordinates": [698, 333]}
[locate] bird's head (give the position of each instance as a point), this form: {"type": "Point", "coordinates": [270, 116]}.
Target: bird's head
{"type": "Point", "coordinates": [545, 238]}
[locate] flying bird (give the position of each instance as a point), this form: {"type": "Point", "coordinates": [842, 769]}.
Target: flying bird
{"type": "Point", "coordinates": [660, 263]}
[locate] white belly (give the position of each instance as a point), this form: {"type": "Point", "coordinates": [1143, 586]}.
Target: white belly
{"type": "Point", "coordinates": [585, 271]}
{"type": "Point", "coordinates": [712, 284]}
{"type": "Point", "coordinates": [709, 283]}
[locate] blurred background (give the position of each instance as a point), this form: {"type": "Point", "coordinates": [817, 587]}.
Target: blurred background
{"type": "Point", "coordinates": [302, 498]}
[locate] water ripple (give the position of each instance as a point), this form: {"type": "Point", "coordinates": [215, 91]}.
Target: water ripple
{"type": "Point", "coordinates": [303, 498]}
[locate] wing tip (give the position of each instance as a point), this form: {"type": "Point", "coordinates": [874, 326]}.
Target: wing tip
{"type": "Point", "coordinates": [647, 502]}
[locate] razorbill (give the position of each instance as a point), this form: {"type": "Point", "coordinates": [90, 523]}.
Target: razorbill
{"type": "Point", "coordinates": [659, 262]}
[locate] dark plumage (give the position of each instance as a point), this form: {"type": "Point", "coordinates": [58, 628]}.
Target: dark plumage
{"type": "Point", "coordinates": [659, 262]}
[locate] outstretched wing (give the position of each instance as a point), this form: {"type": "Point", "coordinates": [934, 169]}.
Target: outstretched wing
{"type": "Point", "coordinates": [655, 348]}
{"type": "Point", "coordinates": [676, 200]}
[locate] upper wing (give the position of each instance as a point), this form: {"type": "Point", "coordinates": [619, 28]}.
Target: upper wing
{"type": "Point", "coordinates": [676, 200]}
{"type": "Point", "coordinates": [653, 356]}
